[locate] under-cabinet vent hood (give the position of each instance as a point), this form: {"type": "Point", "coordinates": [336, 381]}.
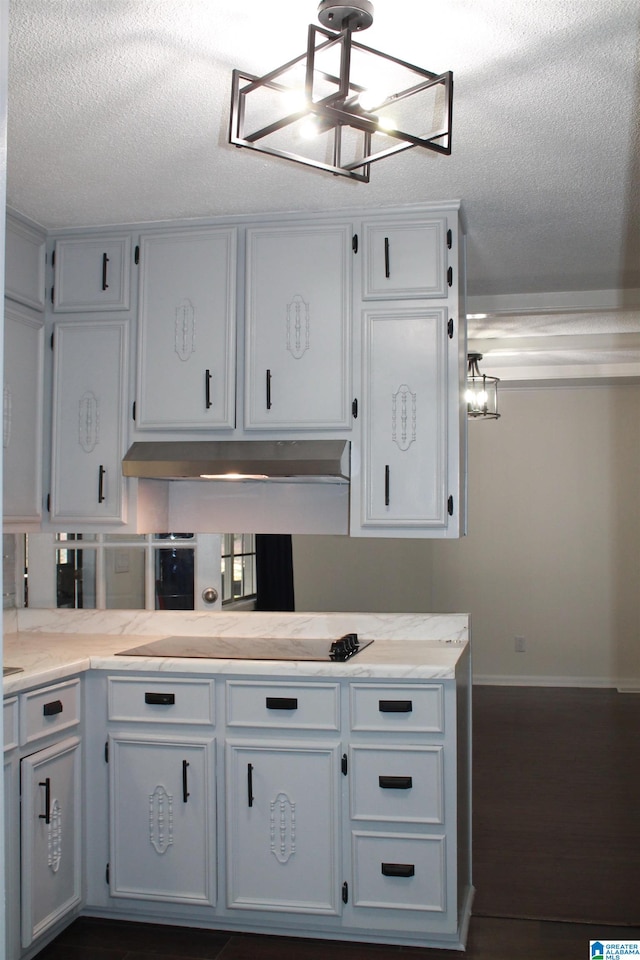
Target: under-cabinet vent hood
{"type": "Point", "coordinates": [284, 460]}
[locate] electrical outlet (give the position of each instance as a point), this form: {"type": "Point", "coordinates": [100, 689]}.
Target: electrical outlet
{"type": "Point", "coordinates": [520, 646]}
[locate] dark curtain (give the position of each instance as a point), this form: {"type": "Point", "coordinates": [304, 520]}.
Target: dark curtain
{"type": "Point", "coordinates": [274, 572]}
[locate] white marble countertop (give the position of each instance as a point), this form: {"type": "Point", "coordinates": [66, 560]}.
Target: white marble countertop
{"type": "Point", "coordinates": [53, 644]}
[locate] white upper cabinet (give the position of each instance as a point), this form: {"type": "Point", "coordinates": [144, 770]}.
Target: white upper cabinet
{"type": "Point", "coordinates": [409, 480]}
{"type": "Point", "coordinates": [89, 385]}
{"type": "Point", "coordinates": [405, 258]}
{"type": "Point", "coordinates": [22, 415]}
{"type": "Point", "coordinates": [186, 356]}
{"type": "Point", "coordinates": [92, 273]}
{"type": "Point", "coordinates": [405, 438]}
{"type": "Point", "coordinates": [298, 327]}
{"type": "Point", "coordinates": [24, 264]}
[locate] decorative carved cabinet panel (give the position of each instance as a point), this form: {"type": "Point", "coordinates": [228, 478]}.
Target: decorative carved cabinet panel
{"type": "Point", "coordinates": [298, 327]}
{"type": "Point", "coordinates": [283, 827]}
{"type": "Point", "coordinates": [89, 384]}
{"type": "Point", "coordinates": [51, 830]}
{"type": "Point", "coordinates": [186, 357]}
{"type": "Point", "coordinates": [162, 820]}
{"type": "Point", "coordinates": [405, 435]}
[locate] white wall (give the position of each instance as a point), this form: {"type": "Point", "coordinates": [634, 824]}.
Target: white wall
{"type": "Point", "coordinates": [553, 552]}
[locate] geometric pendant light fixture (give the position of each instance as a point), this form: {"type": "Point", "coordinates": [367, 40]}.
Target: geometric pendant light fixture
{"type": "Point", "coordinates": [482, 391]}
{"type": "Point", "coordinates": [340, 105]}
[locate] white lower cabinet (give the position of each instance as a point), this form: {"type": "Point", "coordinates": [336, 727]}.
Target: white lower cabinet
{"type": "Point", "coordinates": [50, 835]}
{"type": "Point", "coordinates": [162, 819]}
{"type": "Point", "coordinates": [325, 807]}
{"type": "Point", "coordinates": [283, 806]}
{"type": "Point", "coordinates": [11, 829]}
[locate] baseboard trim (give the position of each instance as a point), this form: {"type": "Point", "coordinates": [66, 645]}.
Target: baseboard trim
{"type": "Point", "coordinates": [500, 680]}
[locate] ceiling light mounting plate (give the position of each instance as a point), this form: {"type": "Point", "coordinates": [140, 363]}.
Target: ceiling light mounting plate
{"type": "Point", "coordinates": [336, 14]}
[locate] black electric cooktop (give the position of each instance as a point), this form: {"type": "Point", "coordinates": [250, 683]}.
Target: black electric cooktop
{"type": "Point", "coordinates": [252, 648]}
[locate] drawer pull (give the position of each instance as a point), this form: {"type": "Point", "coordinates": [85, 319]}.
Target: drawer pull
{"type": "Point", "coordinates": [51, 709]}
{"type": "Point", "coordinates": [398, 869]}
{"type": "Point", "coordinates": [282, 703]}
{"type": "Point", "coordinates": [395, 706]}
{"type": "Point", "coordinates": [46, 816]}
{"type": "Point", "coordinates": [162, 699]}
{"type": "Point", "coordinates": [395, 783]}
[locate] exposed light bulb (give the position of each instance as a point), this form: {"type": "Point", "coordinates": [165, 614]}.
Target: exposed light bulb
{"type": "Point", "coordinates": [370, 98]}
{"type": "Point", "coordinates": [309, 128]}
{"type": "Point", "coordinates": [386, 123]}
{"type": "Point", "coordinates": [294, 100]}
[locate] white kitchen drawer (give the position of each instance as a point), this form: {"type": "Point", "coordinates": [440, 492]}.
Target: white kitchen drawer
{"type": "Point", "coordinates": [407, 708]}
{"type": "Point", "coordinates": [10, 721]}
{"type": "Point", "coordinates": [301, 706]}
{"type": "Point", "coordinates": [397, 783]}
{"type": "Point", "coordinates": [49, 710]}
{"type": "Point", "coordinates": [400, 872]}
{"type": "Point", "coordinates": [148, 699]}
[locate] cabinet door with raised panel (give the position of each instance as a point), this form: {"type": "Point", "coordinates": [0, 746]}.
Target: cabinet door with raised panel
{"type": "Point", "coordinates": [92, 273]}
{"type": "Point", "coordinates": [186, 357]}
{"type": "Point", "coordinates": [283, 827]}
{"type": "Point", "coordinates": [298, 327]}
{"type": "Point", "coordinates": [24, 263]}
{"type": "Point", "coordinates": [162, 819]}
{"type": "Point", "coordinates": [405, 259]}
{"type": "Point", "coordinates": [22, 415]}
{"type": "Point", "coordinates": [51, 831]}
{"type": "Point", "coordinates": [405, 385]}
{"type": "Point", "coordinates": [89, 390]}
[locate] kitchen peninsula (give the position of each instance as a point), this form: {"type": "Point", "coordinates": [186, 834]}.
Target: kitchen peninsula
{"type": "Point", "coordinates": [315, 798]}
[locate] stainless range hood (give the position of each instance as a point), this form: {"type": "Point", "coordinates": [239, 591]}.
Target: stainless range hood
{"type": "Point", "coordinates": [279, 460]}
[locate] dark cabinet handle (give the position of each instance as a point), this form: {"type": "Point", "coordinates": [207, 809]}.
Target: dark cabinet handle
{"type": "Point", "coordinates": [185, 782]}
{"type": "Point", "coordinates": [101, 476]}
{"type": "Point", "coordinates": [398, 869]}
{"type": "Point", "coordinates": [395, 783]}
{"type": "Point", "coordinates": [387, 265]}
{"type": "Point", "coordinates": [282, 703]}
{"type": "Point", "coordinates": [46, 816]}
{"type": "Point", "coordinates": [250, 784]}
{"type": "Point", "coordinates": [395, 706]}
{"type": "Point", "coordinates": [105, 261]}
{"type": "Point", "coordinates": [161, 699]}
{"type": "Point", "coordinates": [207, 389]}
{"type": "Point", "coordinates": [387, 485]}
{"type": "Point", "coordinates": [268, 389]}
{"type": "Point", "coordinates": [52, 708]}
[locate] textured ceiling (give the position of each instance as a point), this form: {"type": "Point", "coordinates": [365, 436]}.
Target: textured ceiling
{"type": "Point", "coordinates": [118, 111]}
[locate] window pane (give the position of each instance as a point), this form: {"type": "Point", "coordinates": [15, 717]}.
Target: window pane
{"type": "Point", "coordinates": [76, 579]}
{"type": "Point", "coordinates": [124, 578]}
{"type": "Point", "coordinates": [174, 579]}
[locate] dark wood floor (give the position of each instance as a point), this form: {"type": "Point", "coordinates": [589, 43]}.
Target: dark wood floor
{"type": "Point", "coordinates": [556, 845]}
{"type": "Point", "coordinates": [489, 939]}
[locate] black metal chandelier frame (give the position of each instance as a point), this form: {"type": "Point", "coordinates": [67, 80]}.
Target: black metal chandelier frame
{"type": "Point", "coordinates": [340, 108]}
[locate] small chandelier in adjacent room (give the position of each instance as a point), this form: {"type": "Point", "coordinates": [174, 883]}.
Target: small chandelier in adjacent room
{"type": "Point", "coordinates": [482, 391]}
{"type": "Point", "coordinates": [341, 105]}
